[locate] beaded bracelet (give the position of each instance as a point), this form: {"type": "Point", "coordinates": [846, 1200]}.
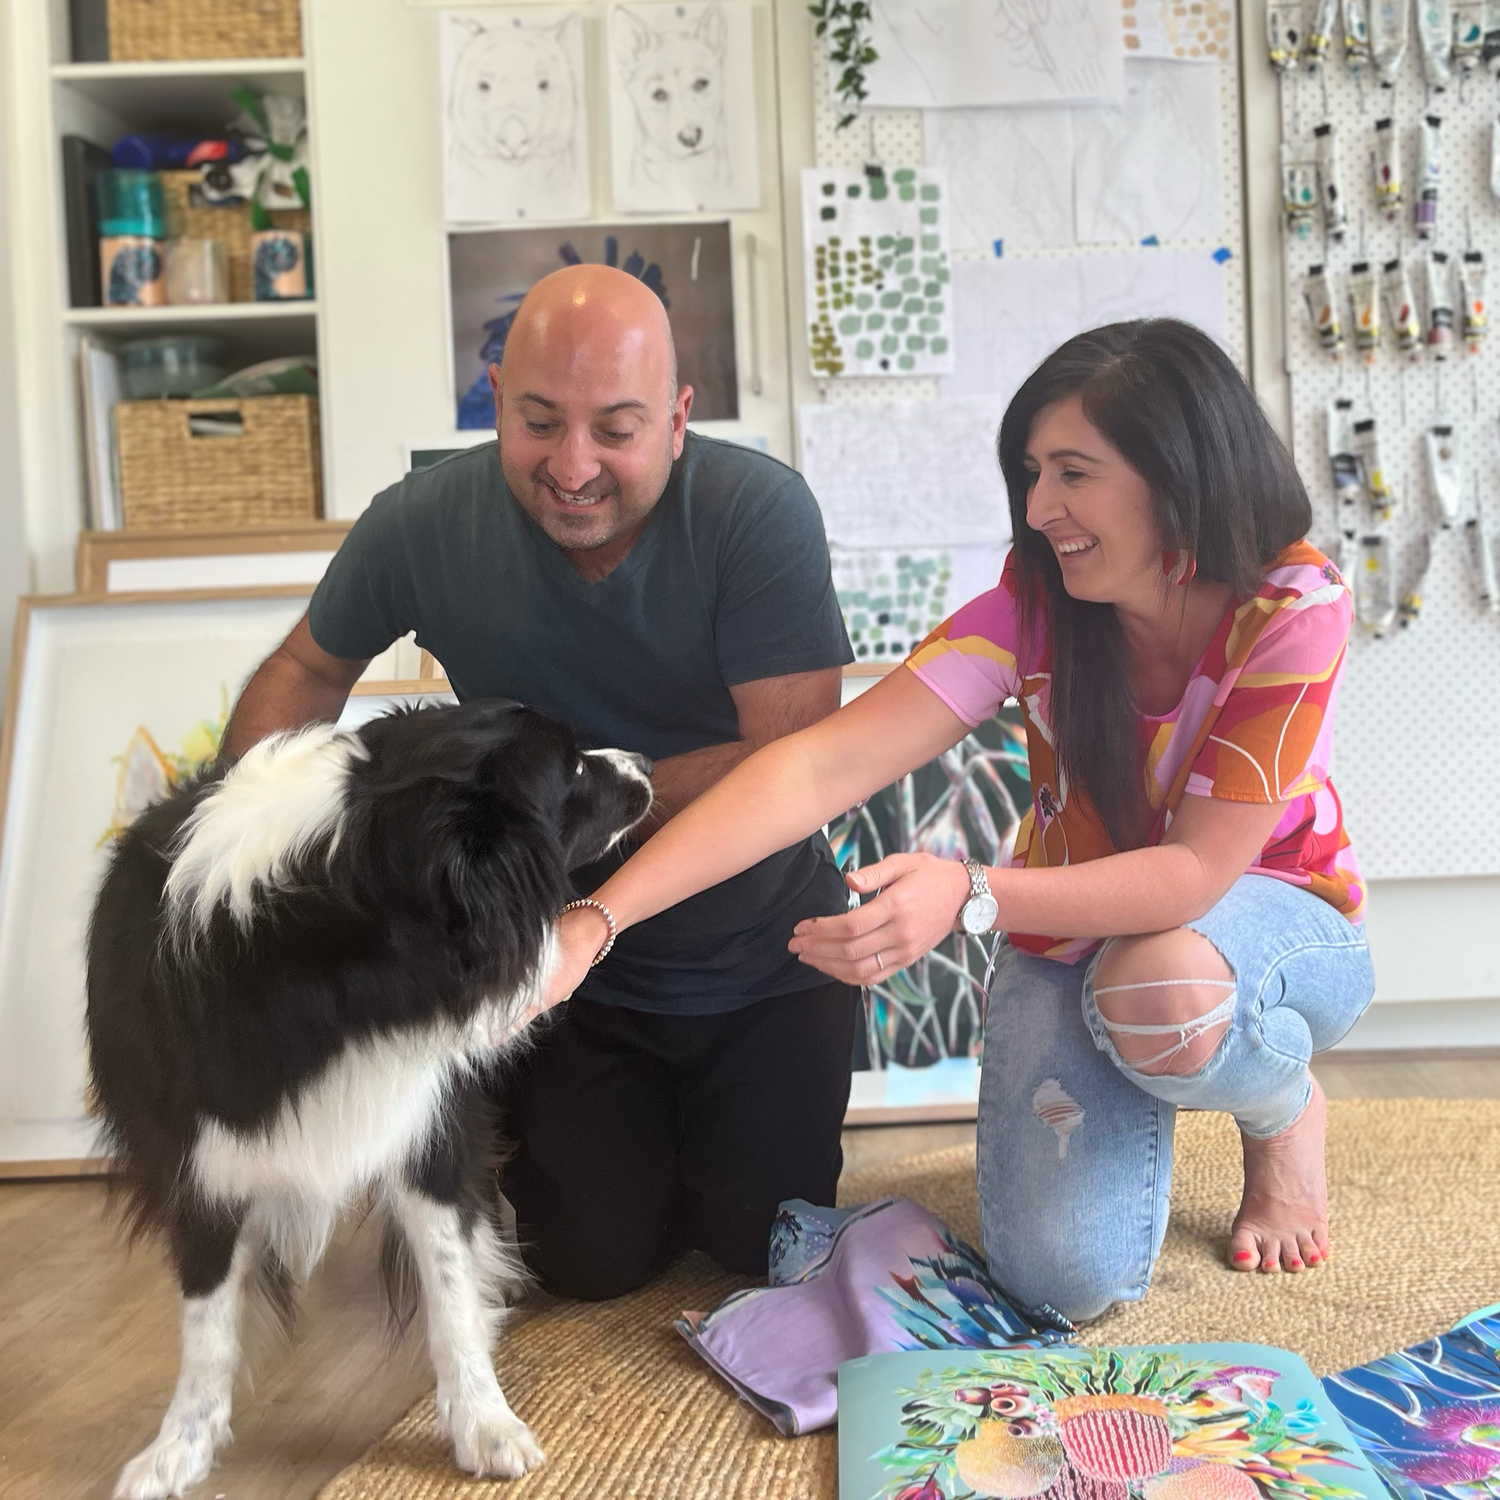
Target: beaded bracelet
{"type": "Point", "coordinates": [609, 918]}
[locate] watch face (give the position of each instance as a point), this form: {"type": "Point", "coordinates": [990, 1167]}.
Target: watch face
{"type": "Point", "coordinates": [980, 913]}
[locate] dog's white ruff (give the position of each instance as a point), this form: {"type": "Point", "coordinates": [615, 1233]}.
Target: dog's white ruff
{"type": "Point", "coordinates": [285, 795]}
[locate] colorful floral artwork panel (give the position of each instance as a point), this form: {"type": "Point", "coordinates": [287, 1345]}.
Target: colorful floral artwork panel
{"type": "Point", "coordinates": [1428, 1417]}
{"type": "Point", "coordinates": [877, 275]}
{"type": "Point", "coordinates": [1182, 1422]}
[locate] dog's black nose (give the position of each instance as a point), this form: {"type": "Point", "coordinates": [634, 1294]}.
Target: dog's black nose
{"type": "Point", "coordinates": [644, 762]}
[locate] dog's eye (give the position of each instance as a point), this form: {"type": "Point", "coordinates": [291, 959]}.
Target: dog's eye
{"type": "Point", "coordinates": [660, 95]}
{"type": "Point", "coordinates": [699, 84]}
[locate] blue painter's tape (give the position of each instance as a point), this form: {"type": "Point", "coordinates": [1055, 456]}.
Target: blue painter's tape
{"type": "Point", "coordinates": [1223, 253]}
{"type": "Point", "coordinates": [1151, 239]}
{"type": "Point", "coordinates": [999, 248]}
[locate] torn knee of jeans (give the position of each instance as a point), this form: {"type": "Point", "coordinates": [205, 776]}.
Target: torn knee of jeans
{"type": "Point", "coordinates": [1178, 1047]}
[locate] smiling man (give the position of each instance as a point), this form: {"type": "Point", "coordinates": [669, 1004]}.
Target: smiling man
{"type": "Point", "coordinates": [670, 594]}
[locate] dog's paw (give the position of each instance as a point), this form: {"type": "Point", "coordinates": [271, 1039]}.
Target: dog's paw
{"type": "Point", "coordinates": [168, 1467]}
{"type": "Point", "coordinates": [493, 1445]}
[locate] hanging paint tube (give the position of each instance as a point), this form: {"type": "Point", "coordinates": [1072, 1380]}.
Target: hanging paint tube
{"type": "Point", "coordinates": [1325, 16]}
{"type": "Point", "coordinates": [1482, 558]}
{"type": "Point", "coordinates": [1490, 50]}
{"type": "Point", "coordinates": [1375, 584]}
{"type": "Point", "coordinates": [1299, 189]}
{"type": "Point", "coordinates": [1435, 32]}
{"type": "Point", "coordinates": [1389, 31]}
{"type": "Point", "coordinates": [1377, 487]}
{"type": "Point", "coordinates": [1357, 36]}
{"type": "Point", "coordinates": [1405, 324]}
{"type": "Point", "coordinates": [1445, 479]}
{"type": "Point", "coordinates": [1388, 169]}
{"type": "Point", "coordinates": [1468, 34]}
{"type": "Point", "coordinates": [1424, 213]}
{"type": "Point", "coordinates": [1335, 216]}
{"type": "Point", "coordinates": [1364, 293]}
{"type": "Point", "coordinates": [1347, 484]}
{"type": "Point", "coordinates": [1439, 306]}
{"type": "Point", "coordinates": [1284, 33]}
{"type": "Point", "coordinates": [1323, 309]}
{"type": "Point", "coordinates": [1410, 607]}
{"type": "Point", "coordinates": [1471, 288]}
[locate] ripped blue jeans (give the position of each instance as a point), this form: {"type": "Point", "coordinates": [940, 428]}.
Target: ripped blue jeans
{"type": "Point", "coordinates": [1075, 1145]}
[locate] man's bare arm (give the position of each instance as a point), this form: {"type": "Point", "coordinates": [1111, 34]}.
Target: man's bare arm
{"type": "Point", "coordinates": [298, 683]}
{"type": "Point", "coordinates": [768, 708]}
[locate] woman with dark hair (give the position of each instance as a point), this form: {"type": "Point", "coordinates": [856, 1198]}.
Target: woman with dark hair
{"type": "Point", "coordinates": [1183, 911]}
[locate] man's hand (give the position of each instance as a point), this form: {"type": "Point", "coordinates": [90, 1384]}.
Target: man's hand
{"type": "Point", "coordinates": [918, 905]}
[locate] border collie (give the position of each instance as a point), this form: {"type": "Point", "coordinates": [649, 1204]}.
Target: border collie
{"type": "Point", "coordinates": [297, 971]}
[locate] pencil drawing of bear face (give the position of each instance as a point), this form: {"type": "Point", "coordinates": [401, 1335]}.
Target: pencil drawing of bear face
{"type": "Point", "coordinates": [674, 77]}
{"type": "Point", "coordinates": [514, 97]}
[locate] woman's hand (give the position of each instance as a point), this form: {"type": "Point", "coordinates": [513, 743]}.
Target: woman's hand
{"type": "Point", "coordinates": [918, 905]}
{"type": "Point", "coordinates": [579, 934]}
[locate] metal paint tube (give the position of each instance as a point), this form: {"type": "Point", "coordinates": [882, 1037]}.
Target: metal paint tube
{"type": "Point", "coordinates": [1388, 169]}
{"type": "Point", "coordinates": [1445, 478]}
{"type": "Point", "coordinates": [1377, 487]}
{"type": "Point", "coordinates": [1471, 288]}
{"type": "Point", "coordinates": [1390, 29]}
{"type": "Point", "coordinates": [1405, 323]}
{"type": "Point", "coordinates": [1357, 35]}
{"type": "Point", "coordinates": [1348, 487]}
{"type": "Point", "coordinates": [1468, 34]}
{"type": "Point", "coordinates": [1490, 50]}
{"type": "Point", "coordinates": [1424, 210]}
{"type": "Point", "coordinates": [1439, 306]}
{"type": "Point", "coordinates": [1364, 293]}
{"type": "Point", "coordinates": [1410, 607]}
{"type": "Point", "coordinates": [1482, 558]}
{"type": "Point", "coordinates": [1325, 18]}
{"type": "Point", "coordinates": [1299, 189]}
{"type": "Point", "coordinates": [1284, 33]}
{"type": "Point", "coordinates": [1375, 584]}
{"type": "Point", "coordinates": [1435, 32]}
{"type": "Point", "coordinates": [1323, 308]}
{"type": "Point", "coordinates": [1335, 216]}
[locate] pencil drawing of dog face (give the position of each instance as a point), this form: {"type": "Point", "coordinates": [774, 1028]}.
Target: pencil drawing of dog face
{"type": "Point", "coordinates": [675, 80]}
{"type": "Point", "coordinates": [514, 97]}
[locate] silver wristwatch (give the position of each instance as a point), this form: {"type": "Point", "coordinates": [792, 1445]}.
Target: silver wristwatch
{"type": "Point", "coordinates": [977, 915]}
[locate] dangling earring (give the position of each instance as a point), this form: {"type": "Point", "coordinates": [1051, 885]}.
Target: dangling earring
{"type": "Point", "coordinates": [1170, 566]}
{"type": "Point", "coordinates": [1188, 571]}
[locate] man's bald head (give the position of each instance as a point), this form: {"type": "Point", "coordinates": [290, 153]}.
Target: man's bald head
{"type": "Point", "coordinates": [588, 409]}
{"type": "Point", "coordinates": [595, 310]}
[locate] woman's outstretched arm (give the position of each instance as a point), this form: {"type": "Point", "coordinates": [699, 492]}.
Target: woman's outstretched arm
{"type": "Point", "coordinates": [778, 796]}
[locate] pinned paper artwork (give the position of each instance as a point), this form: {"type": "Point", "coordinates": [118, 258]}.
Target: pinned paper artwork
{"type": "Point", "coordinates": [876, 271]}
{"type": "Point", "coordinates": [686, 265]}
{"type": "Point", "coordinates": [906, 473]}
{"type": "Point", "coordinates": [1010, 175]}
{"type": "Point", "coordinates": [682, 107]}
{"type": "Point", "coordinates": [1187, 30]}
{"type": "Point", "coordinates": [515, 125]}
{"type": "Point", "coordinates": [1151, 166]}
{"type": "Point", "coordinates": [952, 53]}
{"type": "Point", "coordinates": [891, 599]}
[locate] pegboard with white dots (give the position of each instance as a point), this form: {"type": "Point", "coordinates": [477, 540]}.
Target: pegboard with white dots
{"type": "Point", "coordinates": [1419, 715]}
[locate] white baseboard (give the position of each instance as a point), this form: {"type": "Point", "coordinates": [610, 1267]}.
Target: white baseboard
{"type": "Point", "coordinates": [1422, 1025]}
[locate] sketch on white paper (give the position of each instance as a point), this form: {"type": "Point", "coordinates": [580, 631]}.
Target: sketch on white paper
{"type": "Point", "coordinates": [682, 107]}
{"type": "Point", "coordinates": [906, 473]}
{"type": "Point", "coordinates": [1188, 30]}
{"type": "Point", "coordinates": [1010, 175]}
{"type": "Point", "coordinates": [1016, 312]}
{"type": "Point", "coordinates": [515, 122]}
{"type": "Point", "coordinates": [876, 273]}
{"type": "Point", "coordinates": [953, 53]}
{"type": "Point", "coordinates": [1150, 166]}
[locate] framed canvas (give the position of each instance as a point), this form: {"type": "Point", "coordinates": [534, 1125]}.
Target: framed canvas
{"type": "Point", "coordinates": [125, 562]}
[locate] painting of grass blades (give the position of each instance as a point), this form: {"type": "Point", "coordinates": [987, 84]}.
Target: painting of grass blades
{"type": "Point", "coordinates": [966, 804]}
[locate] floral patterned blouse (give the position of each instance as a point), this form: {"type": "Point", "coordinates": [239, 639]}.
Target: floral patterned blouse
{"type": "Point", "coordinates": [1255, 724]}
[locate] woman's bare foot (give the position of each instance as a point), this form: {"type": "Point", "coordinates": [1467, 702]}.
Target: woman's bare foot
{"type": "Point", "coordinates": [1283, 1219]}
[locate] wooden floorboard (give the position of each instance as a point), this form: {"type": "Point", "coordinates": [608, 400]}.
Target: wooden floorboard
{"type": "Point", "coordinates": [88, 1331]}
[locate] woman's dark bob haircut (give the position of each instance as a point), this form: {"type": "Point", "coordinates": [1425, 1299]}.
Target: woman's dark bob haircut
{"type": "Point", "coordinates": [1223, 489]}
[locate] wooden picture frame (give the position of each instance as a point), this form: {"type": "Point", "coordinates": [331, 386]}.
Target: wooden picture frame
{"type": "Point", "coordinates": [101, 552]}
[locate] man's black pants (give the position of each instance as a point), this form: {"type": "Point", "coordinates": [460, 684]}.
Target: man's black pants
{"type": "Point", "coordinates": [636, 1135]}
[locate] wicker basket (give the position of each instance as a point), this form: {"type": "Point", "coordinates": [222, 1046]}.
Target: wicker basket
{"type": "Point", "coordinates": [176, 30]}
{"type": "Point", "coordinates": [230, 224]}
{"type": "Point", "coordinates": [267, 475]}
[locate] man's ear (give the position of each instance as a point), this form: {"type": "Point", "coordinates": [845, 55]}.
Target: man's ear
{"type": "Point", "coordinates": [681, 409]}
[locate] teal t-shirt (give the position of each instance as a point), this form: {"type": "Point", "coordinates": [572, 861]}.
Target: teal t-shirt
{"type": "Point", "coordinates": [728, 582]}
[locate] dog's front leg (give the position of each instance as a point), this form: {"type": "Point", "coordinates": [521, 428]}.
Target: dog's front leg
{"type": "Point", "coordinates": [454, 1267]}
{"type": "Point", "coordinates": [197, 1421]}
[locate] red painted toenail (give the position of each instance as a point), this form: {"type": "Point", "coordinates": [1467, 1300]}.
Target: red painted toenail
{"type": "Point", "coordinates": [1243, 1255]}
{"type": "Point", "coordinates": [1297, 1263]}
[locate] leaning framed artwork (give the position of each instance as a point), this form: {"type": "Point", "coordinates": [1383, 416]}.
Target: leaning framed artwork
{"type": "Point", "coordinates": [126, 562]}
{"type": "Point", "coordinates": [112, 701]}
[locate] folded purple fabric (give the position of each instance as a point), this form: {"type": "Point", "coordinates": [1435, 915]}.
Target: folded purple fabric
{"type": "Point", "coordinates": [869, 1280]}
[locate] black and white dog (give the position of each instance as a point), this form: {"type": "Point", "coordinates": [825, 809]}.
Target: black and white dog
{"type": "Point", "coordinates": [296, 972]}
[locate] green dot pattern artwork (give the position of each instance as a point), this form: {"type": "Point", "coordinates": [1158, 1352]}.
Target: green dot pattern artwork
{"type": "Point", "coordinates": [890, 599]}
{"type": "Point", "coordinates": [878, 279]}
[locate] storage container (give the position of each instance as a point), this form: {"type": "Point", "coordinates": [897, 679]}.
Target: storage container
{"type": "Point", "coordinates": [176, 30]}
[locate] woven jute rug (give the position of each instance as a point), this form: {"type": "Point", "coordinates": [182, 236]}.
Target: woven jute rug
{"type": "Point", "coordinates": [626, 1412]}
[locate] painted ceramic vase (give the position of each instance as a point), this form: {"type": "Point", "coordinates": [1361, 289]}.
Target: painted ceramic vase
{"type": "Point", "coordinates": [1118, 1437]}
{"type": "Point", "coordinates": [996, 1462]}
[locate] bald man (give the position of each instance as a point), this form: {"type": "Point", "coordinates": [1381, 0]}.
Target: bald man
{"type": "Point", "coordinates": [666, 593]}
